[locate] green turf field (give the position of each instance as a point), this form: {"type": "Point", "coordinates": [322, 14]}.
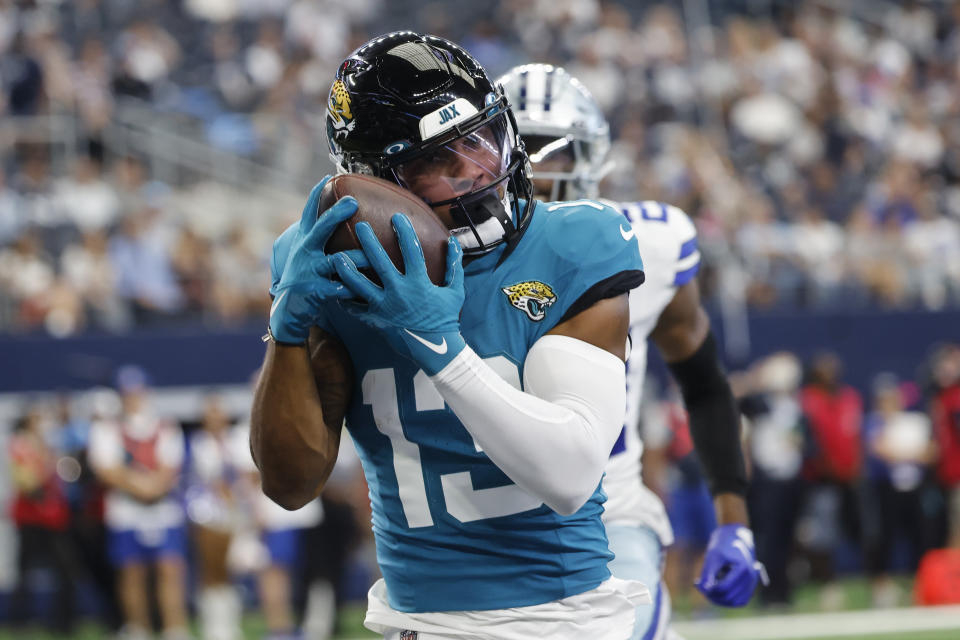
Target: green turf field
{"type": "Point", "coordinates": [854, 594]}
{"type": "Point", "coordinates": [693, 623]}
{"type": "Point", "coordinates": [849, 616]}
{"type": "Point", "coordinates": [253, 628]}
{"type": "Point", "coordinates": [946, 634]}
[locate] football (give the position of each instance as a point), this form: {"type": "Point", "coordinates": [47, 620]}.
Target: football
{"type": "Point", "coordinates": [378, 200]}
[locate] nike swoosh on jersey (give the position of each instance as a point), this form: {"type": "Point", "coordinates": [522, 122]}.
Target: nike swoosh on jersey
{"type": "Point", "coordinates": [438, 348]}
{"type": "Point", "coordinates": [273, 307]}
{"type": "Point", "coordinates": [627, 234]}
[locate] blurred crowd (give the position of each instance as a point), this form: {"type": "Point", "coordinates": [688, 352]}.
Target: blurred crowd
{"type": "Point", "coordinates": [816, 150]}
{"type": "Point", "coordinates": [124, 512]}
{"type": "Point", "coordinates": [109, 493]}
{"type": "Point", "coordinates": [109, 257]}
{"type": "Point", "coordinates": [840, 483]}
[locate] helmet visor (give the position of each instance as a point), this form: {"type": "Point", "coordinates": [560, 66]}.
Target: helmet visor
{"type": "Point", "coordinates": [463, 165]}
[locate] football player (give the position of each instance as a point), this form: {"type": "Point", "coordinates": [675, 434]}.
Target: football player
{"type": "Point", "coordinates": [483, 410]}
{"type": "Point", "coordinates": [567, 138]}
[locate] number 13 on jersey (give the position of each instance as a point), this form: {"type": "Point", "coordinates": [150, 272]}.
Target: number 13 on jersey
{"type": "Point", "coordinates": [463, 502]}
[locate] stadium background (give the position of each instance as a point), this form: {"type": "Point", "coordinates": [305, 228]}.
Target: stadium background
{"type": "Point", "coordinates": [152, 150]}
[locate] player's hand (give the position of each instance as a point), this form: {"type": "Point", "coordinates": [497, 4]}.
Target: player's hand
{"type": "Point", "coordinates": [419, 319]}
{"type": "Point", "coordinates": [305, 281]}
{"type": "Point", "coordinates": [730, 567]}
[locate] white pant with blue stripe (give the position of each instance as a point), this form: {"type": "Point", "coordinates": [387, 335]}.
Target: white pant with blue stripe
{"type": "Point", "coordinates": [639, 556]}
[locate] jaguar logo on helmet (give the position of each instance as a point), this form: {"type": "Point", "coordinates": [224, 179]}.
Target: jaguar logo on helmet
{"type": "Point", "coordinates": [338, 107]}
{"type": "Point", "coordinates": [532, 297]}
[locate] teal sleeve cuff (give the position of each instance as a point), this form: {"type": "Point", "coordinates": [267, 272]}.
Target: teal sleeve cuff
{"type": "Point", "coordinates": [432, 350]}
{"type": "Point", "coordinates": [290, 319]}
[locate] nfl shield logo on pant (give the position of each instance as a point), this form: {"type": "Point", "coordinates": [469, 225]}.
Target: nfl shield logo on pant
{"type": "Point", "coordinates": [408, 635]}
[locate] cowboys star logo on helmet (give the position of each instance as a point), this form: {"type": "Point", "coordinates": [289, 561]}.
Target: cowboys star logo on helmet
{"type": "Point", "coordinates": [532, 297]}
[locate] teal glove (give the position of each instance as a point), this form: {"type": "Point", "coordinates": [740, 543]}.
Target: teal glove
{"type": "Point", "coordinates": [419, 319]}
{"type": "Point", "coordinates": [305, 282]}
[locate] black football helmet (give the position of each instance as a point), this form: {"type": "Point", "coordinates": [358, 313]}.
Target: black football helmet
{"type": "Point", "coordinates": [420, 111]}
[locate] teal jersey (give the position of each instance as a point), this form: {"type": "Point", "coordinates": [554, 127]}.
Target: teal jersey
{"type": "Point", "coordinates": [452, 531]}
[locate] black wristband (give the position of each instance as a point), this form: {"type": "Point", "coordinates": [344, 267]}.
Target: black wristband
{"type": "Point", "coordinates": [714, 418]}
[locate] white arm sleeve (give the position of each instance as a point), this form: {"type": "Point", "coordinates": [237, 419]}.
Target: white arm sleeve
{"type": "Point", "coordinates": [554, 439]}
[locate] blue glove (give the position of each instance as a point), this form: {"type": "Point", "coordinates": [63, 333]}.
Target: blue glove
{"type": "Point", "coordinates": [305, 279]}
{"type": "Point", "coordinates": [419, 319]}
{"type": "Point", "coordinates": [730, 567]}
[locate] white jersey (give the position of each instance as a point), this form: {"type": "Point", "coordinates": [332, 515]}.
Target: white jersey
{"type": "Point", "coordinates": [142, 441]}
{"type": "Point", "coordinates": [612, 606]}
{"type": "Point", "coordinates": [668, 246]}
{"type": "Point", "coordinates": [215, 465]}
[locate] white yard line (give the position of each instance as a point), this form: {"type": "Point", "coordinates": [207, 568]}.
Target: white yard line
{"type": "Point", "coordinates": [827, 625]}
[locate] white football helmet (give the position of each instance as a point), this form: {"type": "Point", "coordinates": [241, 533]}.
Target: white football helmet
{"type": "Point", "coordinates": [559, 120]}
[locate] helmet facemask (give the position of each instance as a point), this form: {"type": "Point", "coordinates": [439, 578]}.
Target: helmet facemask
{"type": "Point", "coordinates": [418, 110]}
{"type": "Point", "coordinates": [473, 176]}
{"type": "Point", "coordinates": [560, 168]}
{"type": "Point", "coordinates": [565, 166]}
{"type": "Point", "coordinates": [564, 130]}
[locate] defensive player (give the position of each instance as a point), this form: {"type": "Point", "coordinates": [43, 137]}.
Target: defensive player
{"type": "Point", "coordinates": [568, 138]}
{"type": "Point", "coordinates": [483, 410]}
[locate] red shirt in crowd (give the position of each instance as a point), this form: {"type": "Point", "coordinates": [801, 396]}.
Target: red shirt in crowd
{"type": "Point", "coordinates": [835, 418]}
{"type": "Point", "coordinates": [938, 578]}
{"type": "Point", "coordinates": [44, 503]}
{"type": "Point", "coordinates": [681, 444]}
{"type": "Point", "coordinates": [946, 426]}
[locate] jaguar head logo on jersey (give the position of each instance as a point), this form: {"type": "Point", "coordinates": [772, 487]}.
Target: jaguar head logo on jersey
{"type": "Point", "coordinates": [339, 107]}
{"type": "Point", "coordinates": [532, 297]}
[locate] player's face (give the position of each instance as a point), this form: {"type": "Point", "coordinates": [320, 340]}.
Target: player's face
{"type": "Point", "coordinates": [466, 164]}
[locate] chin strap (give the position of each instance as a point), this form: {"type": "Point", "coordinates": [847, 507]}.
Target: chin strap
{"type": "Point", "coordinates": [514, 239]}
{"type": "Point", "coordinates": [484, 216]}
